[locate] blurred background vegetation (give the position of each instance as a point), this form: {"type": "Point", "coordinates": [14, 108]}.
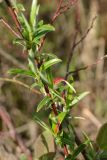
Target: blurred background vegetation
{"type": "Point", "coordinates": [20, 103]}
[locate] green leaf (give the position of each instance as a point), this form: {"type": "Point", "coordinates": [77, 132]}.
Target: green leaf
{"type": "Point", "coordinates": [49, 77]}
{"type": "Point", "coordinates": [34, 13]}
{"type": "Point", "coordinates": [21, 72]}
{"type": "Point", "coordinates": [77, 99]}
{"type": "Point", "coordinates": [44, 79]}
{"type": "Point", "coordinates": [31, 61]}
{"type": "Point", "coordinates": [26, 23]}
{"type": "Point", "coordinates": [102, 137]}
{"type": "Point", "coordinates": [46, 28]}
{"type": "Point", "coordinates": [58, 96]}
{"type": "Point", "coordinates": [33, 85]}
{"type": "Point", "coordinates": [79, 150]}
{"type": "Point", "coordinates": [43, 103]}
{"type": "Point", "coordinates": [20, 7]}
{"type": "Point", "coordinates": [26, 29]}
{"type": "Point", "coordinates": [61, 116]}
{"type": "Point", "coordinates": [40, 23]}
{"type": "Point", "coordinates": [42, 31]}
{"type": "Point", "coordinates": [71, 87]}
{"type": "Point", "coordinates": [69, 139]}
{"type": "Point", "coordinates": [50, 55]}
{"type": "Point", "coordinates": [57, 119]}
{"type": "Point", "coordinates": [49, 63]}
{"type": "Point", "coordinates": [19, 42]}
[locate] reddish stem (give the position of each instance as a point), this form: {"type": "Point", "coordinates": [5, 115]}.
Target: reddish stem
{"type": "Point", "coordinates": [13, 13]}
{"type": "Point", "coordinates": [54, 108]}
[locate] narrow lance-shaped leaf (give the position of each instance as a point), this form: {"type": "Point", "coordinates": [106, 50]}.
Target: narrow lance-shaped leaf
{"type": "Point", "coordinates": [34, 13]}
{"type": "Point", "coordinates": [42, 76]}
{"type": "Point", "coordinates": [71, 87]}
{"type": "Point", "coordinates": [25, 22]}
{"type": "Point", "coordinates": [31, 61]}
{"type": "Point", "coordinates": [50, 77]}
{"type": "Point", "coordinates": [42, 31]}
{"type": "Point", "coordinates": [43, 103]}
{"type": "Point", "coordinates": [46, 28]}
{"type": "Point", "coordinates": [50, 63]}
{"type": "Point", "coordinates": [56, 94]}
{"type": "Point", "coordinates": [79, 150]}
{"type": "Point", "coordinates": [61, 116]}
{"type": "Point", "coordinates": [78, 98]}
{"type": "Point", "coordinates": [21, 72]}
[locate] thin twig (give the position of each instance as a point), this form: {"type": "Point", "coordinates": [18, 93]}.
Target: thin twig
{"type": "Point", "coordinates": [9, 27]}
{"type": "Point", "coordinates": [13, 13]}
{"type": "Point", "coordinates": [60, 10]}
{"type": "Point", "coordinates": [54, 108]}
{"type": "Point", "coordinates": [87, 67]}
{"type": "Point", "coordinates": [75, 44]}
{"type": "Point", "coordinates": [87, 32]}
{"type": "Point", "coordinates": [20, 83]}
{"type": "Point", "coordinates": [77, 29]}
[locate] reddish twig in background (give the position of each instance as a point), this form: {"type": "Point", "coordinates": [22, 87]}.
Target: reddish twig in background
{"type": "Point", "coordinates": [7, 120]}
{"type": "Point", "coordinates": [9, 27]}
{"type": "Point", "coordinates": [75, 44]}
{"type": "Point", "coordinates": [77, 29]}
{"type": "Point", "coordinates": [85, 35]}
{"type": "Point", "coordinates": [13, 13]}
{"type": "Point", "coordinates": [87, 67]}
{"type": "Point", "coordinates": [60, 10]}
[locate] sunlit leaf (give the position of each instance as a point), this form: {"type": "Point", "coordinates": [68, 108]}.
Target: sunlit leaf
{"type": "Point", "coordinates": [31, 62]}
{"type": "Point", "coordinates": [43, 103]}
{"type": "Point", "coordinates": [61, 116]}
{"type": "Point", "coordinates": [40, 23]}
{"type": "Point", "coordinates": [45, 28]}
{"type": "Point", "coordinates": [50, 63]}
{"type": "Point", "coordinates": [20, 7]}
{"type": "Point", "coordinates": [78, 98]}
{"type": "Point", "coordinates": [42, 31]}
{"type": "Point", "coordinates": [71, 87]}
{"type": "Point", "coordinates": [55, 93]}
{"type": "Point", "coordinates": [44, 79]}
{"type": "Point", "coordinates": [34, 13]}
